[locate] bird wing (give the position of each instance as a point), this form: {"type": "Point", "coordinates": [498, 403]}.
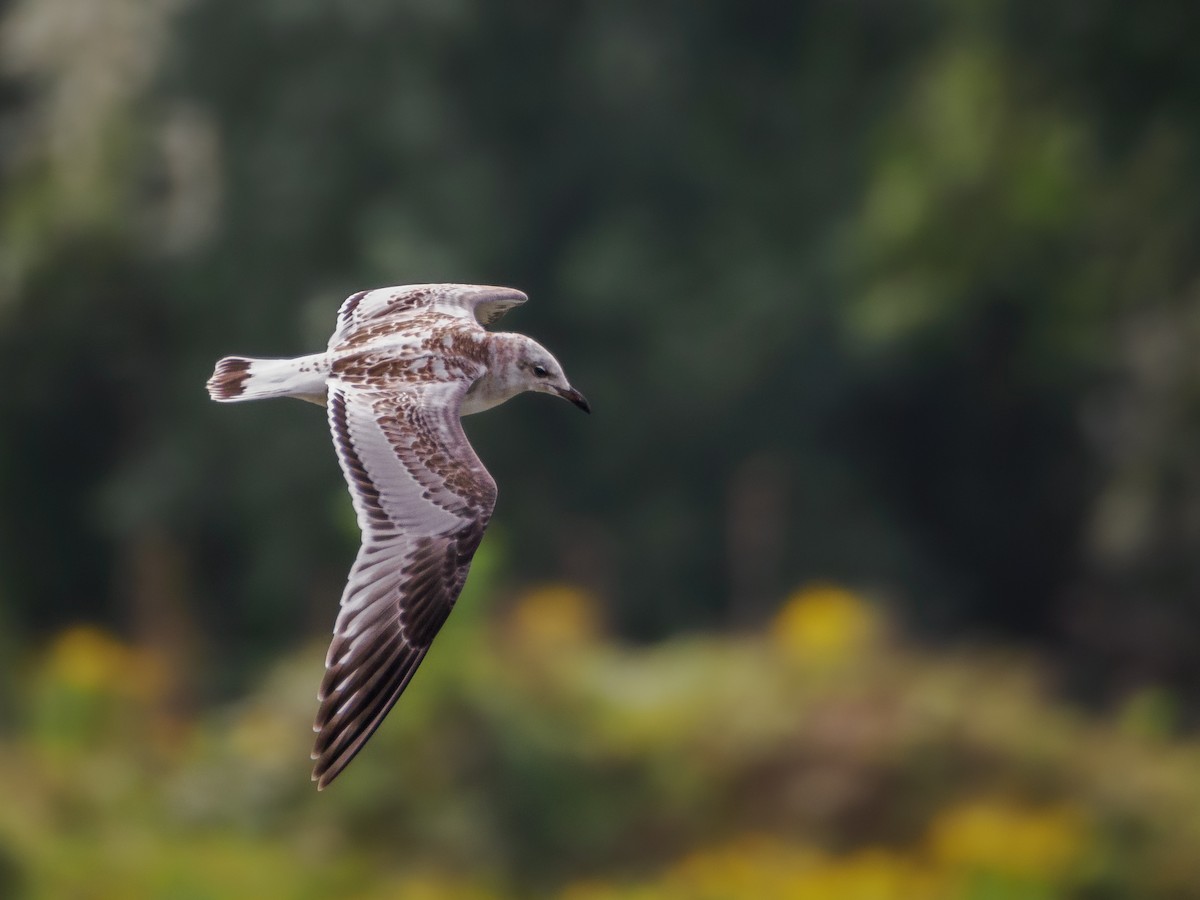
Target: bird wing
{"type": "Point", "coordinates": [423, 500]}
{"type": "Point", "coordinates": [376, 311]}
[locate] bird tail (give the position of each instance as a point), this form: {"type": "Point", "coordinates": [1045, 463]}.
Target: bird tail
{"type": "Point", "coordinates": [240, 378]}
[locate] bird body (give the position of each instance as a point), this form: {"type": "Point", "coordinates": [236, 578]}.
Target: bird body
{"type": "Point", "coordinates": [403, 365]}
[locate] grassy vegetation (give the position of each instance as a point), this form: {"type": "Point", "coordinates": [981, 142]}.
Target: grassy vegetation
{"type": "Point", "coordinates": [821, 757]}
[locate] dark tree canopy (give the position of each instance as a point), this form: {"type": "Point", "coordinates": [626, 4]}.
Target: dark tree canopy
{"type": "Point", "coordinates": [900, 295]}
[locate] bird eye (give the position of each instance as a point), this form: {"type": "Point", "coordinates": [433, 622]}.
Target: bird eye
{"type": "Point", "coordinates": [540, 372]}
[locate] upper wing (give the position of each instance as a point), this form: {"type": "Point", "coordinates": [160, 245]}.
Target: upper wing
{"type": "Point", "coordinates": [367, 309]}
{"type": "Point", "coordinates": [423, 500]}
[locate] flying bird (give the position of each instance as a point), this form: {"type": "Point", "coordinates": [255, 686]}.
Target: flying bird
{"type": "Point", "coordinates": [403, 365]}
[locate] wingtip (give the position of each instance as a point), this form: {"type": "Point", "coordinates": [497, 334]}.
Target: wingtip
{"type": "Point", "coordinates": [494, 292]}
{"type": "Point", "coordinates": [320, 776]}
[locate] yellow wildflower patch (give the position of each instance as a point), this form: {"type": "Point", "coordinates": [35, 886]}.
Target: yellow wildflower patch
{"type": "Point", "coordinates": [555, 616]}
{"type": "Point", "coordinates": [826, 623]}
{"type": "Point", "coordinates": [88, 659]}
{"type": "Point", "coordinates": [998, 836]}
{"type": "Point", "coordinates": [759, 866]}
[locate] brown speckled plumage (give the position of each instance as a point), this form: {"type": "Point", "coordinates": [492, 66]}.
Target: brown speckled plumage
{"type": "Point", "coordinates": [401, 368]}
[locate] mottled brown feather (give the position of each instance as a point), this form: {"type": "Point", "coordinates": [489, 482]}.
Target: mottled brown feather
{"type": "Point", "coordinates": [382, 637]}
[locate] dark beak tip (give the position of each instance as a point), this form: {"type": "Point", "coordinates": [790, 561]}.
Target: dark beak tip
{"type": "Point", "coordinates": [578, 399]}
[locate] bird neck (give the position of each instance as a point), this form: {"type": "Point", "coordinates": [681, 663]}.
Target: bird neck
{"type": "Point", "coordinates": [502, 379]}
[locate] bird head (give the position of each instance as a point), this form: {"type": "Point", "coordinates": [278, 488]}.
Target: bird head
{"type": "Point", "coordinates": [538, 370]}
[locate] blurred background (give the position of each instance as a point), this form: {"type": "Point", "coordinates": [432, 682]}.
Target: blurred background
{"type": "Point", "coordinates": [873, 575]}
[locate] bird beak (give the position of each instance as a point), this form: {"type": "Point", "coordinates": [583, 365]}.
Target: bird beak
{"type": "Point", "coordinates": [577, 398]}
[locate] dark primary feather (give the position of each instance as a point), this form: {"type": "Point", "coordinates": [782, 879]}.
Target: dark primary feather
{"type": "Point", "coordinates": [423, 500]}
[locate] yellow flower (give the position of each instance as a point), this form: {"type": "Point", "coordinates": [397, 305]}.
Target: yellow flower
{"type": "Point", "coordinates": [825, 623]}
{"type": "Point", "coordinates": [555, 616]}
{"type": "Point", "coordinates": [88, 659]}
{"type": "Point", "coordinates": [997, 836]}
{"type": "Point", "coordinates": [756, 866]}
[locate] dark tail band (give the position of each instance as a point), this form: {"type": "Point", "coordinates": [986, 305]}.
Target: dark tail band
{"type": "Point", "coordinates": [229, 380]}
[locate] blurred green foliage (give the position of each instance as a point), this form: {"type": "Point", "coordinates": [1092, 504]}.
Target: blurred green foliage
{"type": "Point", "coordinates": [895, 296]}
{"type": "Point", "coordinates": [536, 757]}
{"type": "Point", "coordinates": [898, 296]}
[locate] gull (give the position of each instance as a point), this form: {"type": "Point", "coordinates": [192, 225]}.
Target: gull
{"type": "Point", "coordinates": [403, 365]}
